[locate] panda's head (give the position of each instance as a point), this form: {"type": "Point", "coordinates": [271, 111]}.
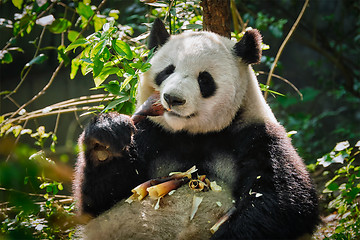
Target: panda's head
{"type": "Point", "coordinates": [202, 77]}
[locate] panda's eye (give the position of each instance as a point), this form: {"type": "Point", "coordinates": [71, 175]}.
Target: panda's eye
{"type": "Point", "coordinates": [164, 74]}
{"type": "Point", "coordinates": [207, 84]}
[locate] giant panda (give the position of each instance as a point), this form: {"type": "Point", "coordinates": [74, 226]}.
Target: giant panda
{"type": "Point", "coordinates": [215, 118]}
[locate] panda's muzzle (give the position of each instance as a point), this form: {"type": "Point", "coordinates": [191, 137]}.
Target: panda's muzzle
{"type": "Point", "coordinates": [172, 100]}
{"type": "Point", "coordinates": [172, 113]}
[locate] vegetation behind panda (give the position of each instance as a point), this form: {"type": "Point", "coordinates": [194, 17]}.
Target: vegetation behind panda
{"type": "Point", "coordinates": [217, 119]}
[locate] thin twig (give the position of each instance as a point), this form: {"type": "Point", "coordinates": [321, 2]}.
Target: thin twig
{"type": "Point", "coordinates": [68, 110]}
{"type": "Point", "coordinates": [71, 102]}
{"type": "Point", "coordinates": [78, 120]}
{"type": "Point", "coordinates": [13, 101]}
{"type": "Point", "coordinates": [39, 93]}
{"type": "Point", "coordinates": [285, 80]}
{"type": "Point", "coordinates": [168, 14]}
{"type": "Point", "coordinates": [32, 194]}
{"type": "Point", "coordinates": [57, 123]}
{"type": "Point", "coordinates": [66, 6]}
{"type": "Point", "coordinates": [30, 67]}
{"type": "Point", "coordinates": [283, 45]}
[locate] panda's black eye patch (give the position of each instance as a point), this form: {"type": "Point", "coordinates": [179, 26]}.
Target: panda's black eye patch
{"type": "Point", "coordinates": [164, 74]}
{"type": "Point", "coordinates": [207, 84]}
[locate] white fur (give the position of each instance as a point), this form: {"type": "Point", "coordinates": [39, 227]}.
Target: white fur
{"type": "Point", "coordinates": [237, 87]}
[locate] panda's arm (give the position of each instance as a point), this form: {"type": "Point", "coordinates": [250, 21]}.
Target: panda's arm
{"type": "Point", "coordinates": [107, 167]}
{"type": "Point", "coordinates": [274, 195]}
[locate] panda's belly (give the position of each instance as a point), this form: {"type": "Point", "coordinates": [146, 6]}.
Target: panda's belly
{"type": "Point", "coordinates": [217, 165]}
{"type": "Point", "coordinates": [222, 166]}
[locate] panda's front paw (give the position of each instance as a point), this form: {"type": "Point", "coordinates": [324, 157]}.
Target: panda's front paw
{"type": "Point", "coordinates": [107, 136]}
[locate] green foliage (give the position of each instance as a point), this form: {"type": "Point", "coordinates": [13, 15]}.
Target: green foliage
{"type": "Point", "coordinates": [344, 188]}
{"type": "Point", "coordinates": [264, 22]}
{"type": "Point", "coordinates": [106, 56]}
{"type": "Point", "coordinates": [30, 207]}
{"type": "Point", "coordinates": [186, 14]}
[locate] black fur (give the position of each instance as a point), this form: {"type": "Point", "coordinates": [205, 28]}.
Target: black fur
{"type": "Point", "coordinates": [164, 74]}
{"type": "Point", "coordinates": [249, 47]}
{"type": "Point", "coordinates": [207, 84]}
{"type": "Point", "coordinates": [158, 35]}
{"type": "Point", "coordinates": [98, 185]}
{"type": "Point", "coordinates": [265, 163]}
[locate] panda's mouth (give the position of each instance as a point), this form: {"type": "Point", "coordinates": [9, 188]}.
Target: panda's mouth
{"type": "Point", "coordinates": [174, 114]}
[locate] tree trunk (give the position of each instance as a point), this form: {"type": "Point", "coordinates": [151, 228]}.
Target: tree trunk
{"type": "Point", "coordinates": [216, 16]}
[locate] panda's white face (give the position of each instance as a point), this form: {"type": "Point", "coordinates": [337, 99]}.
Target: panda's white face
{"type": "Point", "coordinates": [201, 82]}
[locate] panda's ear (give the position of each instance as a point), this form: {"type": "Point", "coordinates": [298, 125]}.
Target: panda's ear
{"type": "Point", "coordinates": [158, 34]}
{"type": "Point", "coordinates": [249, 47]}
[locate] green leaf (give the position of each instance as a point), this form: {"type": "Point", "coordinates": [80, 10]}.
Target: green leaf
{"type": "Point", "coordinates": [17, 3]}
{"type": "Point", "coordinates": [113, 87]}
{"type": "Point", "coordinates": [72, 35]}
{"type": "Point", "coordinates": [37, 60]}
{"type": "Point", "coordinates": [86, 68]}
{"type": "Point", "coordinates": [62, 56]}
{"type": "Point", "coordinates": [333, 186]}
{"type": "Point", "coordinates": [332, 183]}
{"type": "Point", "coordinates": [145, 67]}
{"type": "Point", "coordinates": [59, 25]}
{"type": "Point", "coordinates": [98, 66]}
{"type": "Point", "coordinates": [122, 48]}
{"type": "Point", "coordinates": [126, 82]}
{"type": "Point", "coordinates": [136, 65]}
{"type": "Point", "coordinates": [100, 79]}
{"type": "Point", "coordinates": [98, 49]}
{"type": "Point", "coordinates": [84, 10]}
{"type": "Point", "coordinates": [6, 57]}
{"type": "Point", "coordinates": [106, 54]}
{"type": "Point", "coordinates": [3, 93]}
{"type": "Point", "coordinates": [129, 70]}
{"type": "Point", "coordinates": [106, 71]}
{"type": "Point", "coordinates": [116, 102]}
{"type": "Point", "coordinates": [98, 23]}
{"type": "Point", "coordinates": [81, 42]}
{"type": "Point", "coordinates": [54, 190]}
{"type": "Point", "coordinates": [75, 63]}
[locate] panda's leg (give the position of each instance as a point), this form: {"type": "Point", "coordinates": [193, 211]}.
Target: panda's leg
{"type": "Point", "coordinates": [263, 216]}
{"type": "Point", "coordinates": [253, 221]}
{"type": "Point", "coordinates": [107, 167]}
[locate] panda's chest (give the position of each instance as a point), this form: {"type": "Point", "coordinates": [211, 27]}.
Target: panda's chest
{"type": "Point", "coordinates": [212, 154]}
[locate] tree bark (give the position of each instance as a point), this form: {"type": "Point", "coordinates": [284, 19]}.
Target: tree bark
{"type": "Point", "coordinates": [216, 16]}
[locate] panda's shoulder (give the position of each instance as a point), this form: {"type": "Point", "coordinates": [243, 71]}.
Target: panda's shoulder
{"type": "Point", "coordinates": [268, 138]}
{"type": "Point", "coordinates": [259, 130]}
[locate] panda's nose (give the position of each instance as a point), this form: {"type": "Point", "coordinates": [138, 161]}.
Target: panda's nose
{"type": "Point", "coordinates": [173, 100]}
